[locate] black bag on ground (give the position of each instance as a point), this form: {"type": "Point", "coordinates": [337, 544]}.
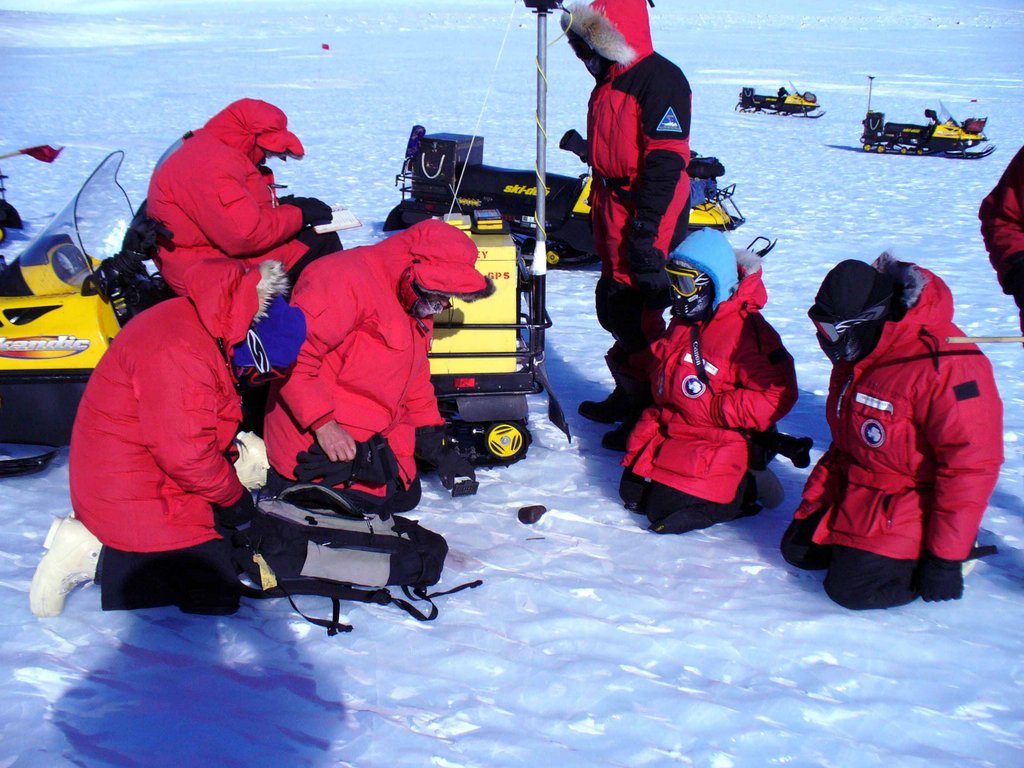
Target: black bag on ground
{"type": "Point", "coordinates": [310, 540]}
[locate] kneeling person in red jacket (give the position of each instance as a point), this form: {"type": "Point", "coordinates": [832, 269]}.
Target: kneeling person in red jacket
{"type": "Point", "coordinates": [893, 507]}
{"type": "Point", "coordinates": [720, 373]}
{"type": "Point", "coordinates": [360, 405]}
{"type": "Point", "coordinates": [152, 481]}
{"type": "Point", "coordinates": [217, 198]}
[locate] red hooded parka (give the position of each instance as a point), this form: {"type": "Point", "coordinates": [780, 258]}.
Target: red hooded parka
{"type": "Point", "coordinates": [917, 435]}
{"type": "Point", "coordinates": [638, 134]}
{"type": "Point", "coordinates": [159, 412]}
{"type": "Point", "coordinates": [364, 363]}
{"type": "Point", "coordinates": [215, 197]}
{"type": "Point", "coordinates": [690, 439]}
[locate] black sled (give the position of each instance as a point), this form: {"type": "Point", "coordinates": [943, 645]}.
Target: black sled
{"type": "Point", "coordinates": [784, 103]}
{"type": "Point", "coordinates": [437, 165]}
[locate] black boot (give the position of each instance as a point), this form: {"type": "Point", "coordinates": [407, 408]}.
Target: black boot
{"type": "Point", "coordinates": [613, 408]}
{"type": "Point", "coordinates": [615, 440]}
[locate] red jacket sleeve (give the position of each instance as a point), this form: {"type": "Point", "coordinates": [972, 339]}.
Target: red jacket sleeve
{"type": "Point", "coordinates": [329, 320]}
{"type": "Point", "coordinates": [235, 221]}
{"type": "Point", "coordinates": [963, 424]}
{"type": "Point", "coordinates": [767, 389]}
{"type": "Point", "coordinates": [1002, 221]}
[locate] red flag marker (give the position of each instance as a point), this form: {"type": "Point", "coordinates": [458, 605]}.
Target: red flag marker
{"type": "Point", "coordinates": [43, 152]}
{"type": "Point", "coordinates": [325, 46]}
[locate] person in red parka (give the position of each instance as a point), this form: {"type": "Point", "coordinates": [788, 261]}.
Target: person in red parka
{"type": "Point", "coordinates": [360, 405]}
{"type": "Point", "coordinates": [720, 374]}
{"type": "Point", "coordinates": [217, 198]}
{"type": "Point", "coordinates": [150, 470]}
{"type": "Point", "coordinates": [893, 507]}
{"type": "Point", "coordinates": [638, 145]}
{"type": "Point", "coordinates": [1002, 227]}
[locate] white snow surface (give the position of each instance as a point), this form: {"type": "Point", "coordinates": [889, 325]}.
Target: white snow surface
{"type": "Point", "coordinates": [592, 641]}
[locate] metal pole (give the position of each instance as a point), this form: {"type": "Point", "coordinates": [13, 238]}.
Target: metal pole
{"type": "Point", "coordinates": [871, 82]}
{"type": "Point", "coordinates": [539, 266]}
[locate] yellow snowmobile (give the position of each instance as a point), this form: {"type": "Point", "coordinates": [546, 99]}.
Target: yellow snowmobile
{"type": "Point", "coordinates": [62, 301]}
{"type": "Point", "coordinates": [787, 103]}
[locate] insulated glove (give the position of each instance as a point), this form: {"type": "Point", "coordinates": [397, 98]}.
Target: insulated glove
{"type": "Point", "coordinates": [573, 142]}
{"type": "Point", "coordinates": [313, 211]}
{"type": "Point", "coordinates": [235, 515]}
{"type": "Point", "coordinates": [655, 286]}
{"type": "Point", "coordinates": [374, 463]}
{"type": "Point", "coordinates": [432, 449]}
{"type": "Point", "coordinates": [647, 263]}
{"type": "Point", "coordinates": [940, 579]}
{"type": "Point", "coordinates": [453, 464]}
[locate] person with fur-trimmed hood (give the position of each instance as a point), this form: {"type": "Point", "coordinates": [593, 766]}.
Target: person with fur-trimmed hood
{"type": "Point", "coordinates": [720, 374]}
{"type": "Point", "coordinates": [150, 465]}
{"type": "Point", "coordinates": [638, 145]}
{"type": "Point", "coordinates": [893, 507]}
{"type": "Point", "coordinates": [216, 198]}
{"type": "Point", "coordinates": [360, 405]}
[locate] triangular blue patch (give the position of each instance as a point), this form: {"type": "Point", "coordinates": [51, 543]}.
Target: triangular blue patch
{"type": "Point", "coordinates": [670, 122]}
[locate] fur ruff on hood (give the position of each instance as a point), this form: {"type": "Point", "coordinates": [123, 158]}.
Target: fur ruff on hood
{"type": "Point", "coordinates": [910, 280]}
{"type": "Point", "coordinates": [598, 32]}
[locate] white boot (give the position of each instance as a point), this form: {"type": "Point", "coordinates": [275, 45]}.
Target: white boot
{"type": "Point", "coordinates": [71, 557]}
{"type": "Point", "coordinates": [251, 465]}
{"type": "Point", "coordinates": [769, 489]}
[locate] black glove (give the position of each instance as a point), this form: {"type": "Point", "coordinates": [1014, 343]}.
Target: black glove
{"type": "Point", "coordinates": [573, 142]}
{"type": "Point", "coordinates": [235, 515]}
{"type": "Point", "coordinates": [374, 463]}
{"type": "Point", "coordinates": [647, 264]}
{"type": "Point", "coordinates": [940, 579]}
{"type": "Point", "coordinates": [313, 211]}
{"type": "Point", "coordinates": [431, 448]}
{"type": "Point", "coordinates": [453, 464]}
{"type": "Point", "coordinates": [313, 465]}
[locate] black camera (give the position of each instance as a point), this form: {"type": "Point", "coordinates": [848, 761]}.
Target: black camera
{"type": "Point", "coordinates": [765, 446]}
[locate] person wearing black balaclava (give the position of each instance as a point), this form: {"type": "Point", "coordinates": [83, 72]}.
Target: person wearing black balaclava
{"type": "Point", "coordinates": [893, 507]}
{"type": "Point", "coordinates": [720, 373]}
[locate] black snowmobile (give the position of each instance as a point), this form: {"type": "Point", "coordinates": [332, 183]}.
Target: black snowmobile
{"type": "Point", "coordinates": [437, 165]}
{"type": "Point", "coordinates": [785, 103]}
{"type": "Point", "coordinates": [942, 136]}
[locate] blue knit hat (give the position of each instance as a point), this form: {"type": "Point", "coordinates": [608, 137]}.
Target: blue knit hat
{"type": "Point", "coordinates": [709, 251]}
{"type": "Point", "coordinates": [273, 341]}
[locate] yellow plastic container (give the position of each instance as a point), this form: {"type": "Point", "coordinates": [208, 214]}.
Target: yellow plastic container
{"type": "Point", "coordinates": [497, 260]}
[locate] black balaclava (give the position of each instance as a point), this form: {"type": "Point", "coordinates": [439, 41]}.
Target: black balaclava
{"type": "Point", "coordinates": [850, 310]}
{"type": "Point", "coordinates": [596, 64]}
{"type": "Point", "coordinates": [698, 306]}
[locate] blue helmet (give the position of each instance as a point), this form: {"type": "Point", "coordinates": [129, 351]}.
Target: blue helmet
{"type": "Point", "coordinates": [709, 251]}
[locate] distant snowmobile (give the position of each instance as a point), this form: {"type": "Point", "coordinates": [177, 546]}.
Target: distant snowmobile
{"type": "Point", "coordinates": [785, 103]}
{"type": "Point", "coordinates": [942, 136]}
{"type": "Point", "coordinates": [437, 165]}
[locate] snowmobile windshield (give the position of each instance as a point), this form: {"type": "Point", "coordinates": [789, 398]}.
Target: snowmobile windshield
{"type": "Point", "coordinates": [944, 115]}
{"type": "Point", "coordinates": [89, 229]}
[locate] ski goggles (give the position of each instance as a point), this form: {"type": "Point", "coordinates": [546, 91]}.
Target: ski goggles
{"type": "Point", "coordinates": [687, 281]}
{"type": "Point", "coordinates": [832, 329]}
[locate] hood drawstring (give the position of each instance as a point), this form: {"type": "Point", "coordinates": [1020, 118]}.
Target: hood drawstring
{"type": "Point", "coordinates": [932, 342]}
{"type": "Point", "coordinates": [227, 364]}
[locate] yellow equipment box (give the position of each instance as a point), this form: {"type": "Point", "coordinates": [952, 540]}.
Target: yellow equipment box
{"type": "Point", "coordinates": [469, 334]}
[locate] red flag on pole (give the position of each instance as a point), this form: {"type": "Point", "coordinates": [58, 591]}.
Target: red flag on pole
{"type": "Point", "coordinates": [325, 46]}
{"type": "Point", "coordinates": [43, 152]}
